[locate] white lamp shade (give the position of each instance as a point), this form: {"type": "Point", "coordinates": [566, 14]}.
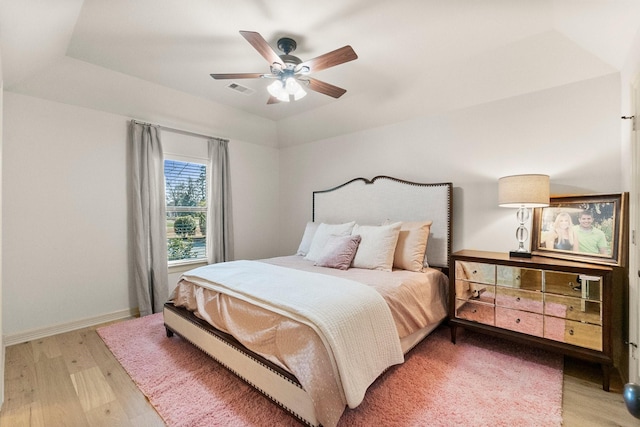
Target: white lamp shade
{"type": "Point", "coordinates": [530, 191]}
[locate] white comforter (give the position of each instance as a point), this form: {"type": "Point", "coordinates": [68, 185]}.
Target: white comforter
{"type": "Point", "coordinates": [363, 342]}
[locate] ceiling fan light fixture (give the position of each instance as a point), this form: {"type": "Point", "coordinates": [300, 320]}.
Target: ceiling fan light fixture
{"type": "Point", "coordinates": [301, 93]}
{"type": "Point", "coordinates": [292, 87]}
{"type": "Point", "coordinates": [284, 89]}
{"type": "Point", "coordinates": [276, 89]}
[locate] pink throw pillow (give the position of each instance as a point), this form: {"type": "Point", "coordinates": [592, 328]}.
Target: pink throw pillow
{"type": "Point", "coordinates": [338, 252]}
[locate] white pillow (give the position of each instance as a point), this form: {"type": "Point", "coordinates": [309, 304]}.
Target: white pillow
{"type": "Point", "coordinates": [307, 238]}
{"type": "Point", "coordinates": [377, 246]}
{"type": "Point", "coordinates": [411, 248]}
{"type": "Point", "coordinates": [322, 235]}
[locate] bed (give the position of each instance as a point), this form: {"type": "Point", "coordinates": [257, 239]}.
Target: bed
{"type": "Point", "coordinates": [312, 331]}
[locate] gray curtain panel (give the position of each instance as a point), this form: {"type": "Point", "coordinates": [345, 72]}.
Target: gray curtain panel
{"type": "Point", "coordinates": [149, 219]}
{"type": "Point", "coordinates": [220, 236]}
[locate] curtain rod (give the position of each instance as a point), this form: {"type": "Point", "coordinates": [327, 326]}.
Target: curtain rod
{"type": "Point", "coordinates": [183, 132]}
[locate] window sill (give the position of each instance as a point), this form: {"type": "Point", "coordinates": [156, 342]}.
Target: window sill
{"type": "Point", "coordinates": [186, 265]}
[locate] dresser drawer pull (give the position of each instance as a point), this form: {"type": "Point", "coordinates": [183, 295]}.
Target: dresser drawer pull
{"type": "Point", "coordinates": [518, 299]}
{"type": "Point", "coordinates": [575, 287]}
{"type": "Point", "coordinates": [570, 331]}
{"type": "Point", "coordinates": [570, 308]}
{"type": "Point", "coordinates": [517, 320]}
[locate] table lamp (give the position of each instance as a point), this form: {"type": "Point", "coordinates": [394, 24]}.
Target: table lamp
{"type": "Point", "coordinates": [523, 192]}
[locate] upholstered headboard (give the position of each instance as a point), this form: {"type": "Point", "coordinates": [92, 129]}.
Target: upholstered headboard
{"type": "Point", "coordinates": [390, 199]}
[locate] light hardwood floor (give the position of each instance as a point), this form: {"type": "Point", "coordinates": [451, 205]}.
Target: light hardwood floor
{"type": "Point", "coordinates": [72, 379]}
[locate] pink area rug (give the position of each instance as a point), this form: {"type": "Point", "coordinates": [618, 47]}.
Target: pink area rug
{"type": "Point", "coordinates": [480, 381]}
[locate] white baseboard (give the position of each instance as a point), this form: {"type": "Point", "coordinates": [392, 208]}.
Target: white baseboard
{"type": "Point", "coordinates": [35, 334]}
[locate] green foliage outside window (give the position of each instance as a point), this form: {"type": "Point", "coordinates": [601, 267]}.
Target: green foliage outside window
{"type": "Point", "coordinates": [202, 222]}
{"type": "Point", "coordinates": [185, 226]}
{"type": "Point", "coordinates": [179, 248]}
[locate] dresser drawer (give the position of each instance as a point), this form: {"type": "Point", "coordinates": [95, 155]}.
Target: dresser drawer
{"type": "Point", "coordinates": [476, 272]}
{"type": "Point", "coordinates": [475, 291]}
{"type": "Point", "coordinates": [519, 321]}
{"type": "Point", "coordinates": [573, 308]}
{"type": "Point", "coordinates": [571, 332]}
{"type": "Point", "coordinates": [475, 311]}
{"type": "Point", "coordinates": [519, 299]}
{"type": "Point", "coordinates": [520, 278]}
{"type": "Point", "coordinates": [571, 284]}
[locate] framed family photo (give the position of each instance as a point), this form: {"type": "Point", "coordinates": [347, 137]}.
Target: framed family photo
{"type": "Point", "coordinates": [587, 228]}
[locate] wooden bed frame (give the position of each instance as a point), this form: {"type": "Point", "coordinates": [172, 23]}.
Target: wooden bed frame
{"type": "Point", "coordinates": [367, 202]}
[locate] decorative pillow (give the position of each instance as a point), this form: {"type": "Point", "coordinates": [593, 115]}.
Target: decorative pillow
{"type": "Point", "coordinates": [322, 235]}
{"type": "Point", "coordinates": [411, 248]}
{"type": "Point", "coordinates": [338, 252]}
{"type": "Point", "coordinates": [307, 238]}
{"type": "Point", "coordinates": [377, 246]}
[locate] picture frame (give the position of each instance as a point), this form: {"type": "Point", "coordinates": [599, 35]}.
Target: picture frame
{"type": "Point", "coordinates": [589, 228]}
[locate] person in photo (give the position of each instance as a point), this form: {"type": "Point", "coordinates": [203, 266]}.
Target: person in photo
{"type": "Point", "coordinates": [590, 239]}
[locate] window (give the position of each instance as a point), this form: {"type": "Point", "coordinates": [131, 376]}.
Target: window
{"type": "Point", "coordinates": [186, 200]}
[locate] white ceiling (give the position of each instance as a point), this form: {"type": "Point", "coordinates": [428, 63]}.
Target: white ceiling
{"type": "Point", "coordinates": [415, 56]}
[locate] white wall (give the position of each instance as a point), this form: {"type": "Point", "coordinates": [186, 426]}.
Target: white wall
{"type": "Point", "coordinates": [65, 214]}
{"type": "Point", "coordinates": [629, 76]}
{"type": "Point", "coordinates": [571, 133]}
{"type": "Point", "coordinates": [66, 218]}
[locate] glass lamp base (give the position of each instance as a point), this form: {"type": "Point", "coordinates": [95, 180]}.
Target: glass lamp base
{"type": "Point", "coordinates": [522, 234]}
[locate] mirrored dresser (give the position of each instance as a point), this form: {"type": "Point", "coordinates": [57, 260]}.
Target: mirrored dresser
{"type": "Point", "coordinates": [564, 306]}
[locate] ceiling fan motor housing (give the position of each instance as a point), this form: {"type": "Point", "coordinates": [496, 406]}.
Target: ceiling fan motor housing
{"type": "Point", "coordinates": [287, 45]}
{"type": "Point", "coordinates": [290, 60]}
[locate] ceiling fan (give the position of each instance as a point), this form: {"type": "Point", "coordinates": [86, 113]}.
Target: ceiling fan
{"type": "Point", "coordinates": [289, 71]}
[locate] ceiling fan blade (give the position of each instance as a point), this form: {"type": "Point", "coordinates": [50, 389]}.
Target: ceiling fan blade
{"type": "Point", "coordinates": [331, 59]}
{"type": "Point", "coordinates": [325, 88]}
{"type": "Point", "coordinates": [237, 76]}
{"type": "Point", "coordinates": [260, 44]}
{"type": "Point", "coordinates": [272, 100]}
